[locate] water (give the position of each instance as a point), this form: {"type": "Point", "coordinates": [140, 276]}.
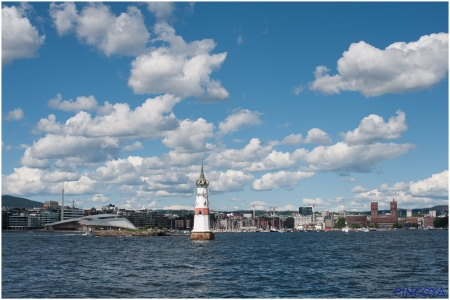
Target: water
{"type": "Point", "coordinates": [234, 265]}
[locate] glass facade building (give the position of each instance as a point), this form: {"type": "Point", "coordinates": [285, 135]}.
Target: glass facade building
{"type": "Point", "coordinates": [305, 211]}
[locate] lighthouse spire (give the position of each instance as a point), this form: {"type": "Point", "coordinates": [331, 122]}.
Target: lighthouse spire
{"type": "Point", "coordinates": [202, 182]}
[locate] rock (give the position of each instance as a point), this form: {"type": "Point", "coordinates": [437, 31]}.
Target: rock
{"type": "Point", "coordinates": [132, 233]}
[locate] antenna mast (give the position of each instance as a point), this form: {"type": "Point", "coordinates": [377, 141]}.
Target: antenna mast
{"type": "Point", "coordinates": [62, 203]}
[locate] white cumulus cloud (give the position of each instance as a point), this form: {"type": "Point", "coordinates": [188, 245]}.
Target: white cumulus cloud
{"type": "Point", "coordinates": [280, 180]}
{"type": "Point", "coordinates": [20, 39]}
{"type": "Point", "coordinates": [97, 26]}
{"type": "Point", "coordinates": [161, 10]}
{"type": "Point", "coordinates": [190, 136]}
{"type": "Point", "coordinates": [33, 181]}
{"type": "Point", "coordinates": [342, 157]}
{"type": "Point", "coordinates": [373, 128]}
{"type": "Point", "coordinates": [317, 136]}
{"type": "Point", "coordinates": [241, 118]}
{"type": "Point", "coordinates": [288, 207]}
{"type": "Point", "coordinates": [64, 16]}
{"type": "Point", "coordinates": [427, 192]}
{"type": "Point", "coordinates": [293, 139]}
{"type": "Point", "coordinates": [73, 149]}
{"type": "Point", "coordinates": [273, 161]}
{"type": "Point", "coordinates": [14, 115]}
{"type": "Point", "coordinates": [148, 120]}
{"type": "Point", "coordinates": [435, 186]}
{"type": "Point", "coordinates": [358, 189]}
{"type": "Point", "coordinates": [80, 104]}
{"type": "Point", "coordinates": [98, 198]}
{"type": "Point", "coordinates": [230, 180]}
{"type": "Point", "coordinates": [314, 136]}
{"type": "Point", "coordinates": [254, 151]}
{"type": "Point", "coordinates": [308, 201]}
{"type": "Point", "coordinates": [401, 67]}
{"type": "Point", "coordinates": [178, 68]}
{"type": "Point", "coordinates": [135, 146]}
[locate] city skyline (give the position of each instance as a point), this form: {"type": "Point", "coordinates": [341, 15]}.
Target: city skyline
{"type": "Point", "coordinates": [288, 104]}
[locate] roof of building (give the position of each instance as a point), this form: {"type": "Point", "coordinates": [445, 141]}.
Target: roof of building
{"type": "Point", "coordinates": [107, 220]}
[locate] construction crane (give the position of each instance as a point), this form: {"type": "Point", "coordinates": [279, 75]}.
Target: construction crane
{"type": "Point", "coordinates": [314, 205]}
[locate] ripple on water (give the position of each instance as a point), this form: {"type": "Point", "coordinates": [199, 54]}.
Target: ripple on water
{"type": "Point", "coordinates": [246, 265]}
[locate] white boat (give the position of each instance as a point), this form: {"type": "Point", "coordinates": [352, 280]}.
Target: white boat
{"type": "Point", "coordinates": [364, 230]}
{"type": "Point", "coordinates": [273, 229]}
{"type": "Point", "coordinates": [345, 229]}
{"type": "Point", "coordinates": [88, 232]}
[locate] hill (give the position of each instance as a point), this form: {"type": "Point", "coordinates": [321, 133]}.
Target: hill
{"type": "Point", "coordinates": [17, 202]}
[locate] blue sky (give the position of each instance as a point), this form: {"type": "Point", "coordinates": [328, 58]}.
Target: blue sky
{"type": "Point", "coordinates": [289, 104]}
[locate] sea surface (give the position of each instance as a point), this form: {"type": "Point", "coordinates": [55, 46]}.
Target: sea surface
{"type": "Point", "coordinates": [233, 265]}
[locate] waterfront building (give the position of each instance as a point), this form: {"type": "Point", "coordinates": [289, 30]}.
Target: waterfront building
{"type": "Point", "coordinates": [50, 203]}
{"type": "Point", "coordinates": [268, 222]}
{"type": "Point", "coordinates": [202, 226]}
{"type": "Point", "coordinates": [387, 220]}
{"type": "Point", "coordinates": [110, 209]}
{"type": "Point", "coordinates": [70, 213]}
{"type": "Point", "coordinates": [180, 224]}
{"type": "Point", "coordinates": [302, 220]}
{"type": "Point", "coordinates": [393, 208]}
{"type": "Point", "coordinates": [5, 218]}
{"type": "Point", "coordinates": [184, 222]}
{"type": "Point", "coordinates": [318, 220]}
{"type": "Point", "coordinates": [359, 220]}
{"type": "Point", "coordinates": [305, 211]}
{"type": "Point", "coordinates": [329, 221]}
{"type": "Point", "coordinates": [289, 222]}
{"type": "Point", "coordinates": [409, 213]}
{"type": "Point", "coordinates": [91, 211]}
{"type": "Point", "coordinates": [49, 215]}
{"type": "Point", "coordinates": [428, 222]}
{"type": "Point", "coordinates": [25, 222]}
{"type": "Point", "coordinates": [412, 220]}
{"type": "Point", "coordinates": [144, 218]}
{"type": "Point", "coordinates": [374, 209]}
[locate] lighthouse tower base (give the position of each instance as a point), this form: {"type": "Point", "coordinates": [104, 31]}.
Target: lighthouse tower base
{"type": "Point", "coordinates": [202, 235]}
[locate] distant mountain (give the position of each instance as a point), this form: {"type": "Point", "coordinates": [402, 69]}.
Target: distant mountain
{"type": "Point", "coordinates": [439, 207]}
{"type": "Point", "coordinates": [17, 202]}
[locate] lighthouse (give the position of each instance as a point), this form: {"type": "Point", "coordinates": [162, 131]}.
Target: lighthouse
{"type": "Point", "coordinates": [202, 227]}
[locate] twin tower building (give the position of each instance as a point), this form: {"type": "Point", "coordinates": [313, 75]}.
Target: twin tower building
{"type": "Point", "coordinates": [202, 226]}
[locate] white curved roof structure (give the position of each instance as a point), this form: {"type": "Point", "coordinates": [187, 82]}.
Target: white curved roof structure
{"type": "Point", "coordinates": [103, 220]}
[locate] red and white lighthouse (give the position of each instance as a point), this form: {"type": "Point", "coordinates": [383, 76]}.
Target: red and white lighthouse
{"type": "Point", "coordinates": [202, 226]}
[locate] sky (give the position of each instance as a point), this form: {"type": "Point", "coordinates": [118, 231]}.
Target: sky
{"type": "Point", "coordinates": [286, 104]}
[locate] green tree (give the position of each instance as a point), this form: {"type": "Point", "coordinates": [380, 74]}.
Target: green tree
{"type": "Point", "coordinates": [440, 222]}
{"type": "Point", "coordinates": [373, 225]}
{"type": "Point", "coordinates": [353, 226]}
{"type": "Point", "coordinates": [340, 223]}
{"type": "Point", "coordinates": [397, 225]}
{"type": "Point", "coordinates": [415, 225]}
